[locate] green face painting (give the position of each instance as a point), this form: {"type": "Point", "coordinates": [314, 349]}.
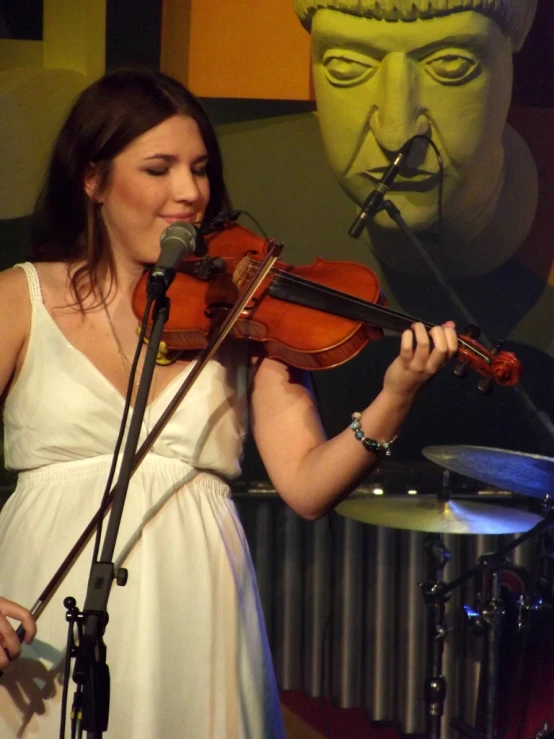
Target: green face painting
{"type": "Point", "coordinates": [378, 83]}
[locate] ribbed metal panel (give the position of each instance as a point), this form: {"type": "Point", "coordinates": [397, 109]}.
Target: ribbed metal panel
{"type": "Point", "coordinates": [347, 613]}
{"type": "Point", "coordinates": [379, 655]}
{"type": "Point", "coordinates": [316, 614]}
{"type": "Point", "coordinates": [289, 611]}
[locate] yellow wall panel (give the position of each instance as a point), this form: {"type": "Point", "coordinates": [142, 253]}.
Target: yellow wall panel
{"type": "Point", "coordinates": [175, 38]}
{"type": "Point", "coordinates": [15, 53]}
{"type": "Point", "coordinates": [74, 35]}
{"type": "Point", "coordinates": [38, 82]}
{"type": "Point", "coordinates": [242, 49]}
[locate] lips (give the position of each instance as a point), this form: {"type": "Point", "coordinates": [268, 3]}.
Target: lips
{"type": "Point", "coordinates": [179, 217]}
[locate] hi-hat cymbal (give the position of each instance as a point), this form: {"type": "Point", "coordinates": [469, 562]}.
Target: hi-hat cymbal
{"type": "Point", "coordinates": [528, 474]}
{"type": "Point", "coordinates": [434, 515]}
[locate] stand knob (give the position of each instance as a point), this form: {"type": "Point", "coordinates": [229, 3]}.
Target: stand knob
{"type": "Point", "coordinates": [122, 576]}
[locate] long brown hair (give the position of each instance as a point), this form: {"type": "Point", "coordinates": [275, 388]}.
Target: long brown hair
{"type": "Point", "coordinates": [106, 117]}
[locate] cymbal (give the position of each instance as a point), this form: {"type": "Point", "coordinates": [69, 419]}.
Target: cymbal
{"type": "Point", "coordinates": [434, 515]}
{"type": "Point", "coordinates": [528, 474]}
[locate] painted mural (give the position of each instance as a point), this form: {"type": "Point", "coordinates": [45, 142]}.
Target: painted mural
{"type": "Point", "coordinates": [461, 79]}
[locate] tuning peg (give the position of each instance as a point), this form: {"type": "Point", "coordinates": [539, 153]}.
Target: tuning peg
{"type": "Point", "coordinates": [461, 368]}
{"type": "Point", "coordinates": [485, 384]}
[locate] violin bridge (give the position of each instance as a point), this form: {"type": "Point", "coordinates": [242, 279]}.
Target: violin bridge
{"type": "Point", "coordinates": [242, 272]}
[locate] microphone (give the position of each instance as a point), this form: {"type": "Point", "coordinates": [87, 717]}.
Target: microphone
{"type": "Point", "coordinates": [176, 243]}
{"type": "Point", "coordinates": [375, 198]}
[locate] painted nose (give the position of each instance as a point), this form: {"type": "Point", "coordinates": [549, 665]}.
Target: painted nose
{"type": "Point", "coordinates": [398, 114]}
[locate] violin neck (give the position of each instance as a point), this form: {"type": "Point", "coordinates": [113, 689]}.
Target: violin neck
{"type": "Point", "coordinates": [304, 292]}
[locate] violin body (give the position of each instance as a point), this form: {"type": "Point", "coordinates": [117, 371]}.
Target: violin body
{"type": "Point", "coordinates": [299, 335]}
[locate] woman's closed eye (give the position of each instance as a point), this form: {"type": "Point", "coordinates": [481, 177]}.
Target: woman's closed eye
{"type": "Point", "coordinates": [157, 172]}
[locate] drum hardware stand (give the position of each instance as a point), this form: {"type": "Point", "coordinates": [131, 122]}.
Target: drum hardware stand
{"type": "Point", "coordinates": [490, 618]}
{"type": "Point", "coordinates": [545, 588]}
{"type": "Point", "coordinates": [491, 615]}
{"type": "Point", "coordinates": [438, 557]}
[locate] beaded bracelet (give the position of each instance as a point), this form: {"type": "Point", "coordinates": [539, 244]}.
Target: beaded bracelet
{"type": "Point", "coordinates": [370, 444]}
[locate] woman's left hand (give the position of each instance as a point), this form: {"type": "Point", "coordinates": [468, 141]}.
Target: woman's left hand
{"type": "Point", "coordinates": [9, 642]}
{"type": "Point", "coordinates": [422, 354]}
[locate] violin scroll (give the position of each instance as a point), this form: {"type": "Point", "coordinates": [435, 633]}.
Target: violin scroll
{"type": "Point", "coordinates": [501, 367]}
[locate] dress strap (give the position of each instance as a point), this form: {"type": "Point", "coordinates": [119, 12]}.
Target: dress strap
{"type": "Point", "coordinates": [35, 293]}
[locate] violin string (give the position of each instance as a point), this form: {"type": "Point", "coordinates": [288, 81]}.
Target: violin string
{"type": "Point", "coordinates": [352, 299]}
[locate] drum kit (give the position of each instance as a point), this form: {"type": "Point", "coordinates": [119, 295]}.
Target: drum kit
{"type": "Point", "coordinates": [520, 481]}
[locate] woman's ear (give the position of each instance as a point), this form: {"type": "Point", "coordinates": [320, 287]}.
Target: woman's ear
{"type": "Point", "coordinates": [92, 183]}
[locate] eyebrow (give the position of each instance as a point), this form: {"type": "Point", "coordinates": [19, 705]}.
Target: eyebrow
{"type": "Point", "coordinates": [172, 158]}
{"type": "Point", "coordinates": [475, 42]}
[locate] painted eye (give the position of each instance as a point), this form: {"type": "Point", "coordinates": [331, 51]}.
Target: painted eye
{"type": "Point", "coordinates": [452, 69]}
{"type": "Point", "coordinates": [346, 69]}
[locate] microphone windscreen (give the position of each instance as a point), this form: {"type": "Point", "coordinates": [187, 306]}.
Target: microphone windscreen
{"type": "Point", "coordinates": [176, 242]}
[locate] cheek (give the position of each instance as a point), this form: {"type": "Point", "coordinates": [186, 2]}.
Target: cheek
{"type": "Point", "coordinates": [204, 189]}
{"type": "Point", "coordinates": [128, 195]}
{"type": "Point", "coordinates": [469, 120]}
{"type": "Point", "coordinates": [341, 115]}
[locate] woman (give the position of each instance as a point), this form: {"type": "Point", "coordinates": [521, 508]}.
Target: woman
{"type": "Point", "coordinates": [186, 642]}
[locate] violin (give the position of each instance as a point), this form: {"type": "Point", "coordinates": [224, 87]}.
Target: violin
{"type": "Point", "coordinates": [312, 317]}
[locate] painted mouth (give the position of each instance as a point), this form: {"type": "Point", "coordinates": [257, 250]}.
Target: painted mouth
{"type": "Point", "coordinates": [409, 179]}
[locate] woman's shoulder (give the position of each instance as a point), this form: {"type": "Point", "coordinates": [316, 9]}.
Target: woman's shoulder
{"type": "Point", "coordinates": [14, 282]}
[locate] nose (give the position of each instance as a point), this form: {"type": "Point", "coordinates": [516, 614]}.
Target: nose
{"type": "Point", "coordinates": [398, 114]}
{"type": "Point", "coordinates": [187, 187]}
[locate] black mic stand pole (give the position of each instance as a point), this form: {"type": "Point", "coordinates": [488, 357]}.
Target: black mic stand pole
{"type": "Point", "coordinates": [91, 671]}
{"type": "Point", "coordinates": [396, 216]}
{"type": "Point", "coordinates": [438, 557]}
{"type": "Point", "coordinates": [546, 427]}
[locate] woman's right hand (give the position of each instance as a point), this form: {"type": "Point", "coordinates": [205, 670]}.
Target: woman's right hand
{"type": "Point", "coordinates": [8, 638]}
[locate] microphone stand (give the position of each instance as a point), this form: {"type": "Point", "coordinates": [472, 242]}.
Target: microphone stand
{"type": "Point", "coordinates": [91, 673]}
{"type": "Point", "coordinates": [546, 427]}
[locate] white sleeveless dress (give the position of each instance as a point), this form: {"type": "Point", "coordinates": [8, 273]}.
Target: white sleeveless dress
{"type": "Point", "coordinates": [186, 643]}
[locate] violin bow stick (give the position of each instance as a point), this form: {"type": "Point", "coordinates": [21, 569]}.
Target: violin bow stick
{"type": "Point", "coordinates": [273, 253]}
